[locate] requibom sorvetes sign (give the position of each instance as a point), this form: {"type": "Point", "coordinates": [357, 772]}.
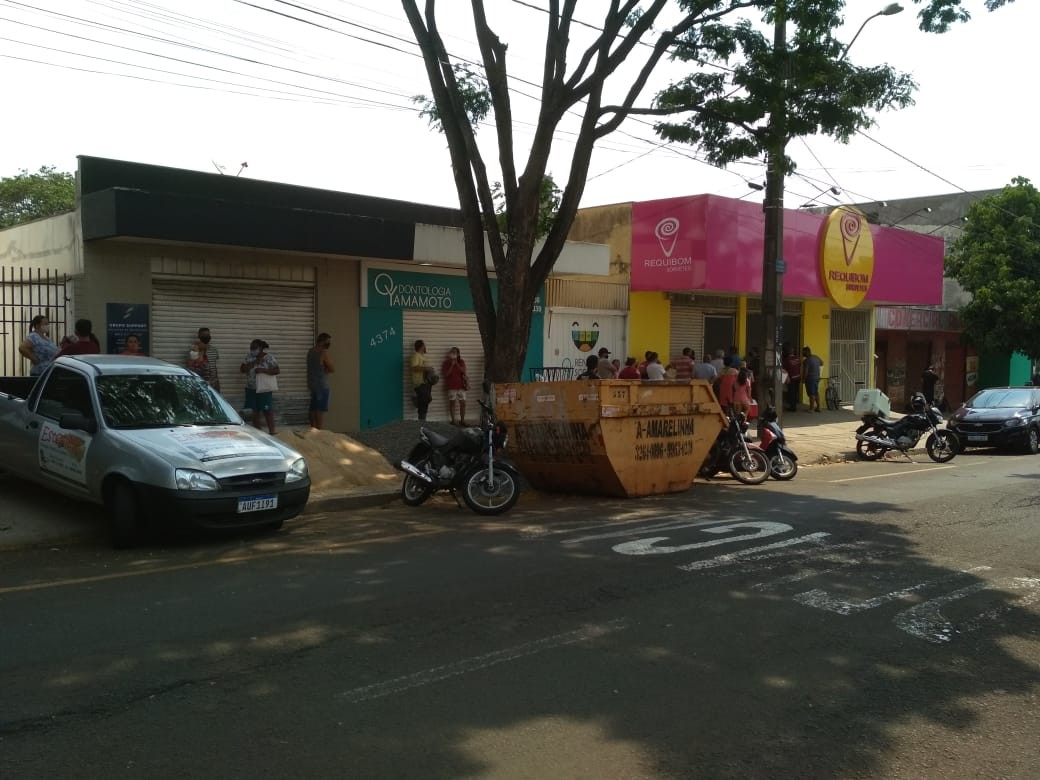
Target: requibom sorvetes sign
{"type": "Point", "coordinates": [668, 245]}
{"type": "Point", "coordinates": [846, 257]}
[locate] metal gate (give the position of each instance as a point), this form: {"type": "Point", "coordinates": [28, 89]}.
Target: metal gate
{"type": "Point", "coordinates": [850, 351]}
{"type": "Point", "coordinates": [24, 293]}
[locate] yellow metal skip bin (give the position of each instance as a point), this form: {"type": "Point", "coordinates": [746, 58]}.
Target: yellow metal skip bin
{"type": "Point", "coordinates": [612, 437]}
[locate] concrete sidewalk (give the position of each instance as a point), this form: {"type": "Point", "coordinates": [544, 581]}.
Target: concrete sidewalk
{"type": "Point", "coordinates": [33, 517]}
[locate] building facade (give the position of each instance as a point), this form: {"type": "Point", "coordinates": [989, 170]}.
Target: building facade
{"type": "Point", "coordinates": [161, 252]}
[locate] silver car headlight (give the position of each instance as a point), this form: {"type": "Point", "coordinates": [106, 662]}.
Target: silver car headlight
{"type": "Point", "coordinates": [1014, 422]}
{"type": "Point", "coordinates": [190, 479]}
{"type": "Point", "coordinates": [297, 471]}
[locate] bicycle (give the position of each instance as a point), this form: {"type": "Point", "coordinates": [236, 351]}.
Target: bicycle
{"type": "Point", "coordinates": [831, 394]}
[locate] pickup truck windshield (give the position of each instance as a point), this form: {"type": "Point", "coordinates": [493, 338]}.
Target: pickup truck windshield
{"type": "Point", "coordinates": [156, 400]}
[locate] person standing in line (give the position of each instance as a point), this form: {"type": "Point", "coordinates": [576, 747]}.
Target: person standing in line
{"type": "Point", "coordinates": [457, 382]}
{"type": "Point", "coordinates": [646, 361]}
{"type": "Point", "coordinates": [37, 346]}
{"type": "Point", "coordinates": [422, 380]}
{"type": "Point", "coordinates": [742, 390]}
{"type": "Point", "coordinates": [203, 359]}
{"type": "Point", "coordinates": [719, 361]}
{"type": "Point", "coordinates": [654, 370]}
{"type": "Point", "coordinates": [724, 386]}
{"type": "Point", "coordinates": [133, 346]}
{"type": "Point", "coordinates": [258, 363]}
{"type": "Point", "coordinates": [318, 369]}
{"type": "Point", "coordinates": [630, 371]}
{"type": "Point", "coordinates": [812, 369]}
{"type": "Point", "coordinates": [928, 379]}
{"type": "Point", "coordinates": [86, 342]}
{"type": "Point", "coordinates": [591, 364]}
{"type": "Point", "coordinates": [704, 370]}
{"type": "Point", "coordinates": [683, 366]}
{"type": "Point", "coordinates": [604, 368]}
{"type": "Point", "coordinates": [792, 364]}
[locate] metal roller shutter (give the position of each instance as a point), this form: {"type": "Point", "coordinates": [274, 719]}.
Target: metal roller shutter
{"type": "Point", "coordinates": [441, 331]}
{"type": "Point", "coordinates": [236, 313]}
{"type": "Point", "coordinates": [687, 330]}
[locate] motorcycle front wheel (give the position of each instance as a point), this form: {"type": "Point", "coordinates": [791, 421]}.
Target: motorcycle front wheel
{"type": "Point", "coordinates": [751, 469]}
{"type": "Point", "coordinates": [942, 446]}
{"type": "Point", "coordinates": [782, 467]}
{"type": "Point", "coordinates": [494, 498]}
{"type": "Point", "coordinates": [867, 450]}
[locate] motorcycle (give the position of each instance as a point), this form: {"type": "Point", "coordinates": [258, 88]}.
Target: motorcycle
{"type": "Point", "coordinates": [732, 451]}
{"type": "Point", "coordinates": [878, 435]}
{"type": "Point", "coordinates": [469, 461]}
{"type": "Point", "coordinates": [783, 463]}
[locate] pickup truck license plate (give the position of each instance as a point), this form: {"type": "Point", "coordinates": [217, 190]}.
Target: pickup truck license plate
{"type": "Point", "coordinates": [257, 504]}
{"type": "Point", "coordinates": [976, 437]}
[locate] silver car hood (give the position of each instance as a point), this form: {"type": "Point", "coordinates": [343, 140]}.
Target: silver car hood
{"type": "Point", "coordinates": [223, 450]}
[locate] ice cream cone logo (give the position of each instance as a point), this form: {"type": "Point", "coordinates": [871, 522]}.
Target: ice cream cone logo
{"type": "Point", "coordinates": [667, 231]}
{"type": "Point", "coordinates": [851, 226]}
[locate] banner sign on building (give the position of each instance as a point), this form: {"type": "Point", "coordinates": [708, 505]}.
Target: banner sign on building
{"type": "Point", "coordinates": [846, 257]}
{"type": "Point", "coordinates": [126, 319]}
{"type": "Point", "coordinates": [393, 289]}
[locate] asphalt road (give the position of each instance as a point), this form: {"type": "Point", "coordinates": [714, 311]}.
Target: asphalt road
{"type": "Point", "coordinates": [865, 620]}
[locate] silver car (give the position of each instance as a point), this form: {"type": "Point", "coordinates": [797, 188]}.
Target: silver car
{"type": "Point", "coordinates": [153, 443]}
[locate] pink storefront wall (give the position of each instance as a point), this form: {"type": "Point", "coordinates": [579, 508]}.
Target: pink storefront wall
{"type": "Point", "coordinates": [706, 242]}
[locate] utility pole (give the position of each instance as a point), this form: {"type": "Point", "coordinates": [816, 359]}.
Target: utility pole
{"type": "Point", "coordinates": [770, 389]}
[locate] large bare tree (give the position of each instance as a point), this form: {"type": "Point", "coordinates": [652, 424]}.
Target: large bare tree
{"type": "Point", "coordinates": [625, 31]}
{"type": "Point", "coordinates": [505, 327]}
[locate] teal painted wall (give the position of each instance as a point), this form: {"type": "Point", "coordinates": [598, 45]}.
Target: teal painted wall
{"type": "Point", "coordinates": [1001, 370]}
{"type": "Point", "coordinates": [389, 294]}
{"type": "Point", "coordinates": [380, 352]}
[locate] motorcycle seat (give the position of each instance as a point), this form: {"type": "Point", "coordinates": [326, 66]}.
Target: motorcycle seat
{"type": "Point", "coordinates": [436, 440]}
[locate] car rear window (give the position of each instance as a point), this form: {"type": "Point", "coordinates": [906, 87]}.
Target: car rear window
{"type": "Point", "coordinates": [1002, 399]}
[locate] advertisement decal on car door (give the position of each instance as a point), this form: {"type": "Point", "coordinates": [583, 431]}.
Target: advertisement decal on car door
{"type": "Point", "coordinates": [63, 453]}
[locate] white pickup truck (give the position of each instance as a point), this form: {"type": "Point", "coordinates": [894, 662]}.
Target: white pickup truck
{"type": "Point", "coordinates": [150, 441]}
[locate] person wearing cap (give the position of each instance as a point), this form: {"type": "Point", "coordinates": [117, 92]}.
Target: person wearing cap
{"type": "Point", "coordinates": [260, 362]}
{"type": "Point", "coordinates": [604, 368]}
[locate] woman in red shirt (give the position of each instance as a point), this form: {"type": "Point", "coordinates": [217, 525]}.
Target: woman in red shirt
{"type": "Point", "coordinates": [630, 371]}
{"type": "Point", "coordinates": [456, 382]}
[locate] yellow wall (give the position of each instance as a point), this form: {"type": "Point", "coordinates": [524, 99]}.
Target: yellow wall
{"type": "Point", "coordinates": [816, 335]}
{"type": "Point", "coordinates": [649, 324]}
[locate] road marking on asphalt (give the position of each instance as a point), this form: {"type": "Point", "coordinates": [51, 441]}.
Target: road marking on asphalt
{"type": "Point", "coordinates": [751, 553]}
{"type": "Point", "coordinates": [821, 599]}
{"type": "Point", "coordinates": [479, 662]}
{"type": "Point", "coordinates": [232, 559]}
{"type": "Point", "coordinates": [894, 474]}
{"type": "Point", "coordinates": [926, 621]}
{"type": "Point", "coordinates": [649, 546]}
{"type": "Point", "coordinates": [667, 525]}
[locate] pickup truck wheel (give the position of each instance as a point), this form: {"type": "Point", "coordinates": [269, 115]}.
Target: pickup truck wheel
{"type": "Point", "coordinates": [124, 515]}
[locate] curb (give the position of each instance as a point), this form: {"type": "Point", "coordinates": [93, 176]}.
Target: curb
{"type": "Point", "coordinates": [362, 499]}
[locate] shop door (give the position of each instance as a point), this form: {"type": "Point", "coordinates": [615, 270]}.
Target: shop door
{"type": "Point", "coordinates": [687, 330]}
{"type": "Point", "coordinates": [719, 332]}
{"type": "Point", "coordinates": [441, 331]}
{"type": "Point", "coordinates": [918, 357]}
{"type": "Point", "coordinates": [850, 351]}
{"type": "Point", "coordinates": [236, 313]}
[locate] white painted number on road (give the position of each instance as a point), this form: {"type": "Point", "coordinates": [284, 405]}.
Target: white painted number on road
{"type": "Point", "coordinates": [649, 546]}
{"type": "Point", "coordinates": [926, 621]}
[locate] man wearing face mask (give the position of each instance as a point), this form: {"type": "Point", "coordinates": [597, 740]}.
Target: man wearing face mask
{"type": "Point", "coordinates": [203, 358]}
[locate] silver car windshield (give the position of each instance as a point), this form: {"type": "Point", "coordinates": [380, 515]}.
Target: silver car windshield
{"type": "Point", "coordinates": [158, 400]}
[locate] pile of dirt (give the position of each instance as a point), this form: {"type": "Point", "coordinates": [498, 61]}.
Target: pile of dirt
{"type": "Point", "coordinates": [336, 462]}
